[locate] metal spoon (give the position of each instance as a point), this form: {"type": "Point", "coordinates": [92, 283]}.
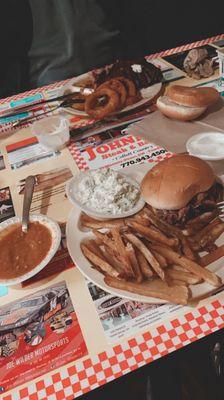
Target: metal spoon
{"type": "Point", "coordinates": [28, 195]}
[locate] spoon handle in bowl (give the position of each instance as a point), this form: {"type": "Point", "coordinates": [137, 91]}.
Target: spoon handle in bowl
{"type": "Point", "coordinates": [28, 195]}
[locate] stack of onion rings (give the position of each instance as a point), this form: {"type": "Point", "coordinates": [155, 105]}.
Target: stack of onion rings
{"type": "Point", "coordinates": [111, 96]}
{"type": "Point", "coordinates": [119, 87]}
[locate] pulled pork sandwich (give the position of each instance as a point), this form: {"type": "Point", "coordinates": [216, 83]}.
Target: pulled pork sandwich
{"type": "Point", "coordinates": [181, 188]}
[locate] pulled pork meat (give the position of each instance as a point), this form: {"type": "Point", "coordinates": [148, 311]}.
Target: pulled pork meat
{"type": "Point", "coordinates": [202, 202]}
{"type": "Point", "coordinates": [145, 75]}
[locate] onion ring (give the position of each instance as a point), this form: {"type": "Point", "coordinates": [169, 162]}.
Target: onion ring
{"type": "Point", "coordinates": [97, 109]}
{"type": "Point", "coordinates": [119, 87]}
{"type": "Point", "coordinates": [132, 100]}
{"type": "Point", "coordinates": [129, 86]}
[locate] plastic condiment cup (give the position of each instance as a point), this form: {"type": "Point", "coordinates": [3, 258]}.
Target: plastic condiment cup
{"type": "Point", "coordinates": [207, 146]}
{"type": "Point", "coordinates": [52, 132]}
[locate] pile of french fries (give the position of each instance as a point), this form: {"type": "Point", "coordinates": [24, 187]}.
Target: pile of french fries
{"type": "Point", "coordinates": [144, 255]}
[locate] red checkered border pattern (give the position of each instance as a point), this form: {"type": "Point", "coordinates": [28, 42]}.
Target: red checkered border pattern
{"type": "Point", "coordinates": [185, 47]}
{"type": "Point", "coordinates": [84, 376]}
{"type": "Point", "coordinates": [77, 156]}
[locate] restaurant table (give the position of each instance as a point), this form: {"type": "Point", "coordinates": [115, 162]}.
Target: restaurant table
{"type": "Point", "coordinates": [60, 335]}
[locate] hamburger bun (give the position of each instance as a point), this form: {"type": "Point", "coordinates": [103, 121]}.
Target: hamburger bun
{"type": "Point", "coordinates": [193, 97]}
{"type": "Point", "coordinates": [177, 111]}
{"type": "Point", "coordinates": [172, 183]}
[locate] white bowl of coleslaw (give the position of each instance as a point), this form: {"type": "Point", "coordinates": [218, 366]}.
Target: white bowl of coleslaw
{"type": "Point", "coordinates": [105, 194]}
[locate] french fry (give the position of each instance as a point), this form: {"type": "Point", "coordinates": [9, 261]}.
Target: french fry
{"type": "Point", "coordinates": [195, 246]}
{"type": "Point", "coordinates": [161, 260]}
{"type": "Point", "coordinates": [92, 223]}
{"type": "Point", "coordinates": [121, 250]}
{"type": "Point", "coordinates": [105, 239]}
{"type": "Point", "coordinates": [212, 235]}
{"type": "Point", "coordinates": [204, 240]}
{"type": "Point", "coordinates": [186, 277]}
{"type": "Point", "coordinates": [176, 282]}
{"type": "Point", "coordinates": [154, 288]}
{"type": "Point", "coordinates": [141, 217]}
{"type": "Point", "coordinates": [147, 271]}
{"type": "Point", "coordinates": [147, 253]}
{"type": "Point", "coordinates": [189, 231]}
{"type": "Point", "coordinates": [134, 262]}
{"type": "Point", "coordinates": [189, 265]}
{"type": "Point", "coordinates": [99, 261]}
{"type": "Point", "coordinates": [203, 232]}
{"type": "Point", "coordinates": [152, 234]}
{"type": "Point", "coordinates": [92, 246]}
{"type": "Point", "coordinates": [203, 219]}
{"type": "Point", "coordinates": [111, 258]}
{"type": "Point", "coordinates": [186, 249]}
{"type": "Point", "coordinates": [210, 258]}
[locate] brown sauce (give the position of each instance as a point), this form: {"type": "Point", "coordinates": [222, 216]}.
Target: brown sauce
{"type": "Point", "coordinates": [21, 252]}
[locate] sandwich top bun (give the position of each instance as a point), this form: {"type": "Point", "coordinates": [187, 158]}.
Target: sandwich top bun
{"type": "Point", "coordinates": [177, 111]}
{"type": "Point", "coordinates": [193, 97]}
{"type": "Point", "coordinates": [185, 103]}
{"type": "Point", "coordinates": [172, 183]}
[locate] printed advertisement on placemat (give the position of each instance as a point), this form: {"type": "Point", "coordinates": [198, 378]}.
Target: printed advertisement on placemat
{"type": "Point", "coordinates": [38, 333]}
{"type": "Point", "coordinates": [115, 148]}
{"type": "Point", "coordinates": [121, 318]}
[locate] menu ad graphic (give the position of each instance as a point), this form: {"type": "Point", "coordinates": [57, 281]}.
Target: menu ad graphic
{"type": "Point", "coordinates": [121, 318]}
{"type": "Point", "coordinates": [177, 59]}
{"type": "Point", "coordinates": [27, 152]}
{"type": "Point", "coordinates": [6, 204]}
{"type": "Point", "coordinates": [116, 149]}
{"type": "Point", "coordinates": [38, 333]}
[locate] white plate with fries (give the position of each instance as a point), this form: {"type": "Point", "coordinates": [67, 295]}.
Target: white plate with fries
{"type": "Point", "coordinates": [141, 259]}
{"type": "Point", "coordinates": [78, 234]}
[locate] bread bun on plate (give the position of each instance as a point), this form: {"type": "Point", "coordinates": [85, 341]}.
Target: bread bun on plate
{"type": "Point", "coordinates": [177, 111]}
{"type": "Point", "coordinates": [185, 103]}
{"type": "Point", "coordinates": [193, 97]}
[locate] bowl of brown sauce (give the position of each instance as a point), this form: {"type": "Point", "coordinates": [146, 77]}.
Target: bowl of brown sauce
{"type": "Point", "coordinates": [23, 255]}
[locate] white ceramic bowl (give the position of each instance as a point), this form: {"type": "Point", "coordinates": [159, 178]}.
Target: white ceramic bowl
{"type": "Point", "coordinates": [56, 239]}
{"type": "Point", "coordinates": [71, 194]}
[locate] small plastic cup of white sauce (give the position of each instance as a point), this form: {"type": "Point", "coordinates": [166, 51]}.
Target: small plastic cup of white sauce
{"type": "Point", "coordinates": [207, 146]}
{"type": "Point", "coordinates": [52, 132]}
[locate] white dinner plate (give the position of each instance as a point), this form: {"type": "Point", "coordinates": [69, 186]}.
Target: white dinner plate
{"type": "Point", "coordinates": [75, 236]}
{"type": "Point", "coordinates": [147, 95]}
